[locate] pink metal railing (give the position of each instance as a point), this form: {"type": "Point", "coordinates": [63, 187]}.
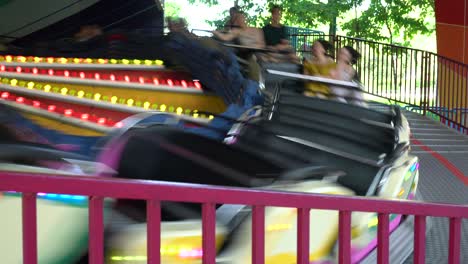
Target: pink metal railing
{"type": "Point", "coordinates": [155, 192]}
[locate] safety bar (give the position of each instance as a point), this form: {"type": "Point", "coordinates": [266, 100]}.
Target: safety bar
{"type": "Point", "coordinates": [97, 189]}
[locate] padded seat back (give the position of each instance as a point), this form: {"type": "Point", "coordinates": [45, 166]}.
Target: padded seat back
{"type": "Point", "coordinates": [336, 107]}
{"type": "Point", "coordinates": [360, 174]}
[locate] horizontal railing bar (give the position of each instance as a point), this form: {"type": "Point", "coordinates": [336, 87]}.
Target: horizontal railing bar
{"type": "Point", "coordinates": [101, 83]}
{"type": "Point", "coordinates": [197, 193]}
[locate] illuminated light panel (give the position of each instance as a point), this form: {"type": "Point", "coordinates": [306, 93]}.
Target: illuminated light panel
{"type": "Point", "coordinates": [408, 175]}
{"type": "Point", "coordinates": [66, 198]}
{"type": "Point", "coordinates": [181, 252]}
{"type": "Point", "coordinates": [193, 84]}
{"type": "Point", "coordinates": [414, 167]}
{"type": "Point", "coordinates": [402, 191]}
{"type": "Point", "coordinates": [72, 113]}
{"type": "Point", "coordinates": [99, 97]}
{"type": "Point", "coordinates": [278, 227]}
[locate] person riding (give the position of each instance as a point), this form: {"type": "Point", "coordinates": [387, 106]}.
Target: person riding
{"type": "Point", "coordinates": [319, 65]}
{"type": "Point", "coordinates": [344, 71]}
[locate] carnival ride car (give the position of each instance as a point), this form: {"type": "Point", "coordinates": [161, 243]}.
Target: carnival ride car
{"type": "Point", "coordinates": [288, 142]}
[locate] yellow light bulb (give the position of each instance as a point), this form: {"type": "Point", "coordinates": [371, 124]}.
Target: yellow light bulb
{"type": "Point", "coordinates": [113, 61]}
{"type": "Point", "coordinates": [159, 62]}
{"type": "Point", "coordinates": [47, 88]}
{"type": "Point", "coordinates": [30, 85]}
{"type": "Point", "coordinates": [137, 62]}
{"type": "Point", "coordinates": [76, 60]}
{"type": "Point", "coordinates": [125, 61]}
{"type": "Point", "coordinates": [114, 99]}
{"type": "Point", "coordinates": [81, 94]}
{"type": "Point", "coordinates": [130, 102]}
{"type": "Point", "coordinates": [88, 60]}
{"type": "Point", "coordinates": [14, 82]}
{"type": "Point", "coordinates": [148, 62]}
{"type": "Point", "coordinates": [211, 117]}
{"type": "Point", "coordinates": [22, 59]}
{"type": "Point", "coordinates": [146, 105]}
{"type": "Point", "coordinates": [179, 110]}
{"type": "Point", "coordinates": [97, 97]}
{"type": "Point", "coordinates": [63, 60]}
{"type": "Point", "coordinates": [163, 107]}
{"type": "Point", "coordinates": [8, 58]}
{"type": "Point", "coordinates": [102, 61]}
{"type": "Point", "coordinates": [37, 59]}
{"type": "Point", "coordinates": [64, 91]}
{"type": "Point", "coordinates": [50, 60]}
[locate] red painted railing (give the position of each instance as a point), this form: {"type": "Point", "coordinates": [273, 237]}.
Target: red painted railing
{"type": "Point", "coordinates": [155, 192]}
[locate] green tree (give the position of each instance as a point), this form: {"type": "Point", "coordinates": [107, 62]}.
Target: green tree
{"type": "Point", "coordinates": [394, 20]}
{"type": "Point", "coordinates": [172, 8]}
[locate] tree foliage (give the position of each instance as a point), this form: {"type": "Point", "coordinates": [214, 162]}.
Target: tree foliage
{"type": "Point", "coordinates": [396, 21]}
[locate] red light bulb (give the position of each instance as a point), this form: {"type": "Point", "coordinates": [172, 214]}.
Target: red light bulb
{"type": "Point", "coordinates": [66, 73]}
{"type": "Point", "coordinates": [82, 75]}
{"type": "Point", "coordinates": [68, 112]}
{"type": "Point", "coordinates": [119, 125]}
{"type": "Point", "coordinates": [101, 120]}
{"type": "Point", "coordinates": [5, 95]}
{"type": "Point", "coordinates": [20, 100]}
{"type": "Point", "coordinates": [156, 81]}
{"type": "Point", "coordinates": [127, 79]}
{"type": "Point", "coordinates": [51, 108]}
{"type": "Point", "coordinates": [112, 77]}
{"type": "Point", "coordinates": [51, 72]}
{"type": "Point", "coordinates": [84, 116]}
{"type": "Point", "coordinates": [141, 80]}
{"type": "Point", "coordinates": [170, 82]}
{"type": "Point", "coordinates": [2, 68]}
{"type": "Point", "coordinates": [197, 84]}
{"type": "Point", "coordinates": [18, 69]}
{"type": "Point", "coordinates": [36, 103]}
{"type": "Point", "coordinates": [97, 76]}
{"type": "Point", "coordinates": [35, 71]}
{"type": "Point", "coordinates": [184, 83]}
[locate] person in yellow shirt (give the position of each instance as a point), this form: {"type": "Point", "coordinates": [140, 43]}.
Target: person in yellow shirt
{"type": "Point", "coordinates": [321, 64]}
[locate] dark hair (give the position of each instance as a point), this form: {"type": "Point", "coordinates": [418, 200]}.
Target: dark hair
{"type": "Point", "coordinates": [273, 7]}
{"type": "Point", "coordinates": [326, 45]}
{"type": "Point", "coordinates": [355, 55]}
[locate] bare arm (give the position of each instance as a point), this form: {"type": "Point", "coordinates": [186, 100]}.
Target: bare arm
{"type": "Point", "coordinates": [225, 36]}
